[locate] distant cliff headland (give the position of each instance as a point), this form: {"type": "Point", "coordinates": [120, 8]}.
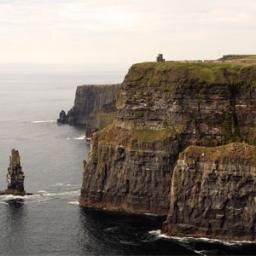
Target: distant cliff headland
{"type": "Point", "coordinates": [179, 140]}
{"type": "Point", "coordinates": [94, 107]}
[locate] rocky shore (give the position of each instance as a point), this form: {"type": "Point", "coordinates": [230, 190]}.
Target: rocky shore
{"type": "Point", "coordinates": [181, 145]}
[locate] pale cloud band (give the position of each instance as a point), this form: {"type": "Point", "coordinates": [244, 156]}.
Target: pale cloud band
{"type": "Point", "coordinates": [100, 31]}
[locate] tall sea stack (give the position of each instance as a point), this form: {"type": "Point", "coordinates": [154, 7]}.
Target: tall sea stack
{"type": "Point", "coordinates": [15, 175]}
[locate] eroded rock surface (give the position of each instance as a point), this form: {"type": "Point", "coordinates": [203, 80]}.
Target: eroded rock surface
{"type": "Point", "coordinates": [15, 176]}
{"type": "Point", "coordinates": [162, 109]}
{"type": "Point", "coordinates": [213, 193]}
{"type": "Point", "coordinates": [94, 107]}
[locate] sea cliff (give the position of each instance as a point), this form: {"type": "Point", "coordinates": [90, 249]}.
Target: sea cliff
{"type": "Point", "coordinates": [94, 107]}
{"type": "Point", "coordinates": [163, 108]}
{"type": "Point", "coordinates": [213, 193]}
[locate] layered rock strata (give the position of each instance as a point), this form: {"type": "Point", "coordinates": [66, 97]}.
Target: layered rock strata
{"type": "Point", "coordinates": [162, 109]}
{"type": "Point", "coordinates": [213, 193]}
{"type": "Point", "coordinates": [94, 107]}
{"type": "Point", "coordinates": [128, 173]}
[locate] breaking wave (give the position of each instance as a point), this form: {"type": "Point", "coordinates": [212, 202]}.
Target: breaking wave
{"type": "Point", "coordinates": [159, 234]}
{"type": "Point", "coordinates": [40, 196]}
{"type": "Point", "coordinates": [60, 184]}
{"type": "Point", "coordinates": [74, 202]}
{"type": "Point", "coordinates": [82, 137]}
{"type": "Point", "coordinates": [44, 121]}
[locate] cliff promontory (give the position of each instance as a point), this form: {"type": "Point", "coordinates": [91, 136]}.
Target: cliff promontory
{"type": "Point", "coordinates": [163, 108]}
{"type": "Point", "coordinates": [94, 107]}
{"type": "Point", "coordinates": [213, 193]}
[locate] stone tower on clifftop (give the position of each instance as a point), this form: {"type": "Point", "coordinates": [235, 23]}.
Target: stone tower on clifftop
{"type": "Point", "coordinates": [160, 58]}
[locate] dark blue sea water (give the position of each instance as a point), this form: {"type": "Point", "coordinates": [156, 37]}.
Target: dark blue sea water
{"type": "Point", "coordinates": [50, 222]}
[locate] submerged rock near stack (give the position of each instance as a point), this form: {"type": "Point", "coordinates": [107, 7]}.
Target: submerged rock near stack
{"type": "Point", "coordinates": [163, 108]}
{"type": "Point", "coordinates": [15, 176]}
{"type": "Point", "coordinates": [63, 117]}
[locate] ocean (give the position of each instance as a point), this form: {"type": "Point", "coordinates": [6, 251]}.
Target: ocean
{"type": "Point", "coordinates": [50, 222]}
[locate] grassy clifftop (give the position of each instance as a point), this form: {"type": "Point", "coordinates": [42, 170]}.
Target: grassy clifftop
{"type": "Point", "coordinates": [234, 152]}
{"type": "Point", "coordinates": [215, 72]}
{"type": "Point", "coordinates": [114, 135]}
{"type": "Point", "coordinates": [207, 103]}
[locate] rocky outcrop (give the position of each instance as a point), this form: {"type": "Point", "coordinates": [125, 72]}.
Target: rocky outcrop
{"type": "Point", "coordinates": [94, 107]}
{"type": "Point", "coordinates": [126, 172]}
{"type": "Point", "coordinates": [213, 193]}
{"type": "Point", "coordinates": [15, 176]}
{"type": "Point", "coordinates": [162, 109]}
{"type": "Point", "coordinates": [63, 117]}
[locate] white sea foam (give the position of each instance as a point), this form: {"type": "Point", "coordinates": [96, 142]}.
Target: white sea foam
{"type": "Point", "coordinates": [60, 184]}
{"type": "Point", "coordinates": [158, 233]}
{"type": "Point", "coordinates": [211, 240]}
{"type": "Point", "coordinates": [74, 202]}
{"type": "Point", "coordinates": [41, 191]}
{"type": "Point", "coordinates": [40, 196]}
{"type": "Point", "coordinates": [44, 121]}
{"type": "Point", "coordinates": [151, 214]}
{"type": "Point", "coordinates": [200, 252]}
{"type": "Point", "coordinates": [11, 197]}
{"type": "Point", "coordinates": [82, 137]}
{"type": "Point", "coordinates": [65, 193]}
{"type": "Point", "coordinates": [6, 198]}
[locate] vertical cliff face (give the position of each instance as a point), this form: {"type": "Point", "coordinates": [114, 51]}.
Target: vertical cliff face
{"type": "Point", "coordinates": [126, 172]}
{"type": "Point", "coordinates": [94, 107]}
{"type": "Point", "coordinates": [211, 104]}
{"type": "Point", "coordinates": [163, 108]}
{"type": "Point", "coordinates": [213, 193]}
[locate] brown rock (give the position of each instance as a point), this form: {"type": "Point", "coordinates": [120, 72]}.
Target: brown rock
{"type": "Point", "coordinates": [213, 193]}
{"type": "Point", "coordinates": [94, 107]}
{"type": "Point", "coordinates": [162, 109]}
{"type": "Point", "coordinates": [15, 176]}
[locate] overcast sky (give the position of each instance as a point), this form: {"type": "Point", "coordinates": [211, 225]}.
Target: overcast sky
{"type": "Point", "coordinates": [109, 32]}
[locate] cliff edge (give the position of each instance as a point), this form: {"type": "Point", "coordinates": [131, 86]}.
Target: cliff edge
{"type": "Point", "coordinates": [163, 108]}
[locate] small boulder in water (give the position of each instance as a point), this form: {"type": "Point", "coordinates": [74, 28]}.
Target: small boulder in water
{"type": "Point", "coordinates": [63, 117]}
